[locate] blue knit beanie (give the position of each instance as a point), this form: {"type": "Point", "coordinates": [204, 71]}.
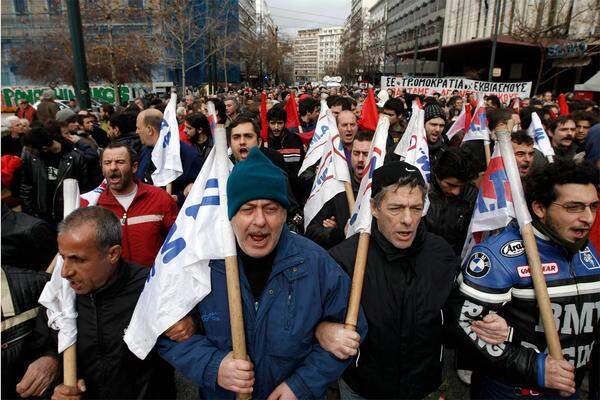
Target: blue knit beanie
{"type": "Point", "coordinates": [253, 179]}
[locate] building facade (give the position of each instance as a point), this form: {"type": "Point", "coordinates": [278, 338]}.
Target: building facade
{"type": "Point", "coordinates": [306, 55]}
{"type": "Point", "coordinates": [316, 53]}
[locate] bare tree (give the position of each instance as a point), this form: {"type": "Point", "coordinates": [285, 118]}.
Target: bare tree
{"type": "Point", "coordinates": [544, 22]}
{"type": "Point", "coordinates": [110, 53]}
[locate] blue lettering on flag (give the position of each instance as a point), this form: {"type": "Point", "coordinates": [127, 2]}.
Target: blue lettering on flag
{"type": "Point", "coordinates": [167, 139]}
{"type": "Point", "coordinates": [423, 161]}
{"type": "Point", "coordinates": [192, 211]}
{"type": "Point", "coordinates": [539, 134]}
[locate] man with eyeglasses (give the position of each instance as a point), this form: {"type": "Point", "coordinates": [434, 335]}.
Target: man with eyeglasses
{"type": "Point", "coordinates": [563, 201]}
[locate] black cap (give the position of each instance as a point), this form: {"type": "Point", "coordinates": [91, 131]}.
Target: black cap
{"type": "Point", "coordinates": [389, 174]}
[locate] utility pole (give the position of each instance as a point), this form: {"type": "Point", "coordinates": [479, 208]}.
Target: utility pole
{"type": "Point", "coordinates": [82, 85]}
{"type": "Point", "coordinates": [439, 53]}
{"type": "Point", "coordinates": [416, 50]}
{"type": "Point", "coordinates": [494, 40]}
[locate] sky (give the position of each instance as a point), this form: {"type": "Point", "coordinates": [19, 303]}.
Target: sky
{"type": "Point", "coordinates": [292, 15]}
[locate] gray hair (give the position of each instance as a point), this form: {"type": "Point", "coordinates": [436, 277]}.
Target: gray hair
{"type": "Point", "coordinates": [411, 181]}
{"type": "Point", "coordinates": [235, 101]}
{"type": "Point", "coordinates": [10, 121]}
{"type": "Point", "coordinates": [108, 227]}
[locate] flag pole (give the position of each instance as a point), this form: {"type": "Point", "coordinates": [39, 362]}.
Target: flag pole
{"type": "Point", "coordinates": [531, 250]}
{"type": "Point", "coordinates": [71, 202]}
{"type": "Point", "coordinates": [349, 195]}
{"type": "Point", "coordinates": [234, 297]}
{"type": "Point", "coordinates": [358, 277]}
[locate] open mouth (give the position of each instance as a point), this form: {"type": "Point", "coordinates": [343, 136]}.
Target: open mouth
{"type": "Point", "coordinates": [114, 180]}
{"type": "Point", "coordinates": [258, 239]}
{"type": "Point", "coordinates": [405, 235]}
{"type": "Point", "coordinates": [580, 233]}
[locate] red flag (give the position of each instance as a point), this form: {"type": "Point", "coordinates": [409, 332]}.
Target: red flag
{"type": "Point", "coordinates": [291, 108]}
{"type": "Point", "coordinates": [369, 115]}
{"type": "Point", "coordinates": [468, 116]}
{"type": "Point", "coordinates": [264, 126]}
{"type": "Point", "coordinates": [562, 104]}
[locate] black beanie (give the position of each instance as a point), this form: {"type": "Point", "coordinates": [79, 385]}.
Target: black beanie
{"type": "Point", "coordinates": [434, 111]}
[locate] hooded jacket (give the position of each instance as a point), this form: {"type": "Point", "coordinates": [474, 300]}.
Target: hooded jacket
{"type": "Point", "coordinates": [404, 292]}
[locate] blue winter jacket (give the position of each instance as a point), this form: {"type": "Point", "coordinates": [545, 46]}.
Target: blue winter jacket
{"type": "Point", "coordinates": [306, 286]}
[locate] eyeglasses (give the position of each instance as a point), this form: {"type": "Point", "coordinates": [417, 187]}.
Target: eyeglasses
{"type": "Point", "coordinates": [575, 208]}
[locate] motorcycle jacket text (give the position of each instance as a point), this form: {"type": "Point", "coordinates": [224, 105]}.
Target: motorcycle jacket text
{"type": "Point", "coordinates": [496, 278]}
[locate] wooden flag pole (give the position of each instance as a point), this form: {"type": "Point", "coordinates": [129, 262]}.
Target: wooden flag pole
{"type": "Point", "coordinates": [236, 315]}
{"type": "Point", "coordinates": [488, 153]}
{"type": "Point", "coordinates": [349, 196]}
{"type": "Point", "coordinates": [531, 250]}
{"type": "Point", "coordinates": [357, 281]}
{"type": "Point", "coordinates": [70, 365]}
{"type": "Point", "coordinates": [169, 188]}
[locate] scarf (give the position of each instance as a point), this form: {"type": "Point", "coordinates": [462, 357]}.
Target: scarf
{"type": "Point", "coordinates": [571, 247]}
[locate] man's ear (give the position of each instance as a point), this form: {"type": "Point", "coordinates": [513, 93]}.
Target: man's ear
{"type": "Point", "coordinates": [135, 166]}
{"type": "Point", "coordinates": [374, 210]}
{"type": "Point", "coordinates": [539, 209]}
{"type": "Point", "coordinates": [114, 253]}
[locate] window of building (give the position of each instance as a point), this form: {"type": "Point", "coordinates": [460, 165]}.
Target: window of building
{"type": "Point", "coordinates": [20, 6]}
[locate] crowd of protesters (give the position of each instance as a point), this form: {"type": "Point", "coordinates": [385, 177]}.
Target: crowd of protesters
{"type": "Point", "coordinates": [417, 298]}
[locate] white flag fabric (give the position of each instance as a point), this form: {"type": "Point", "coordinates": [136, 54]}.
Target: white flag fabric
{"type": "Point", "coordinates": [459, 124]}
{"type": "Point", "coordinates": [165, 154]}
{"type": "Point", "coordinates": [478, 128]}
{"type": "Point", "coordinates": [404, 142]}
{"type": "Point", "coordinates": [540, 138]}
{"type": "Point", "coordinates": [330, 175]}
{"type": "Point", "coordinates": [494, 206]}
{"type": "Point", "coordinates": [360, 219]}
{"type": "Point", "coordinates": [316, 147]}
{"type": "Point", "coordinates": [180, 276]}
{"type": "Point", "coordinates": [417, 153]}
{"type": "Point", "coordinates": [58, 297]}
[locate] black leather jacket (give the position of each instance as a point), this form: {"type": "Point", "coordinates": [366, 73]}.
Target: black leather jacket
{"type": "Point", "coordinates": [109, 369]}
{"type": "Point", "coordinates": [449, 217]}
{"type": "Point", "coordinates": [34, 183]}
{"type": "Point", "coordinates": [19, 310]}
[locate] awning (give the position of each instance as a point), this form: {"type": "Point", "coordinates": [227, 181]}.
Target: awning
{"type": "Point", "coordinates": [592, 84]}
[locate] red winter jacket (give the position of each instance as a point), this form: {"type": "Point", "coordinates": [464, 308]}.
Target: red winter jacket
{"type": "Point", "coordinates": [145, 224]}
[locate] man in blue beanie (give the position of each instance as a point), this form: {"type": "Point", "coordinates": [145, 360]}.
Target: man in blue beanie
{"type": "Point", "coordinates": [288, 286]}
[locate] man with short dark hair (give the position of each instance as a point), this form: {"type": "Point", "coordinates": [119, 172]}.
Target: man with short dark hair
{"type": "Point", "coordinates": [435, 123]}
{"type": "Point", "coordinates": [287, 143]}
{"type": "Point", "coordinates": [121, 129]}
{"type": "Point", "coordinates": [146, 212]}
{"type": "Point", "coordinates": [562, 199]}
{"type": "Point", "coordinates": [106, 291]}
{"type": "Point", "coordinates": [584, 120]}
{"type": "Point", "coordinates": [308, 110]}
{"type": "Point", "coordinates": [89, 123]}
{"type": "Point", "coordinates": [337, 104]}
{"type": "Point", "coordinates": [394, 109]}
{"type": "Point", "coordinates": [148, 125]}
{"type": "Point", "coordinates": [328, 227]}
{"type": "Point", "coordinates": [409, 275]}
{"type": "Point", "coordinates": [106, 111]}
{"type": "Point", "coordinates": [452, 197]}
{"type": "Point", "coordinates": [44, 171]}
{"type": "Point", "coordinates": [525, 155]}
{"type": "Point", "coordinates": [562, 132]}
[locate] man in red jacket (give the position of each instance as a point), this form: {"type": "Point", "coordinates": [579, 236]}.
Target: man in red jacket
{"type": "Point", "coordinates": [146, 212]}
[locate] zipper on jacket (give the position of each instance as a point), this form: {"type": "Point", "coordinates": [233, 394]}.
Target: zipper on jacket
{"type": "Point", "coordinates": [59, 184]}
{"type": "Point", "coordinates": [99, 337]}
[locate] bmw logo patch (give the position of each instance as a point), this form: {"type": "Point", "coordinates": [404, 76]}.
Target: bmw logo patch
{"type": "Point", "coordinates": [479, 265]}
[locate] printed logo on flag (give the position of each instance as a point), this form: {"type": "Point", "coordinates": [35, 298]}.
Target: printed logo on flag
{"type": "Point", "coordinates": [172, 248]}
{"type": "Point", "coordinates": [479, 121]}
{"type": "Point", "coordinates": [479, 265]}
{"type": "Point", "coordinates": [495, 189]}
{"type": "Point", "coordinates": [371, 167]}
{"type": "Point", "coordinates": [165, 125]}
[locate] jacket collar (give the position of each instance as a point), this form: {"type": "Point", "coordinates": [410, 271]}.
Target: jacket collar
{"type": "Point", "coordinates": [287, 254]}
{"type": "Point", "coordinates": [108, 198]}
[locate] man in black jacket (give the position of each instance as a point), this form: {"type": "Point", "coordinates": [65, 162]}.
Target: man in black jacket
{"type": "Point", "coordinates": [44, 169]}
{"type": "Point", "coordinates": [327, 228]}
{"type": "Point", "coordinates": [409, 276]}
{"type": "Point", "coordinates": [107, 289]}
{"type": "Point", "coordinates": [452, 197]}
